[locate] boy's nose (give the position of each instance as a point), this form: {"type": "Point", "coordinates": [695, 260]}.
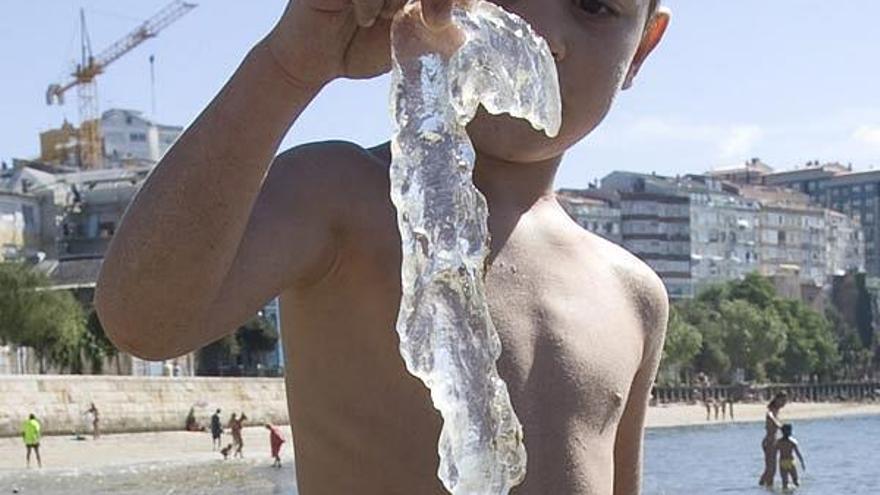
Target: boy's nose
{"type": "Point", "coordinates": [549, 29]}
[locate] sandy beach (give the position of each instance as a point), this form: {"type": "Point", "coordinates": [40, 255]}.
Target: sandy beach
{"type": "Point", "coordinates": [693, 415]}
{"type": "Point", "coordinates": [64, 452]}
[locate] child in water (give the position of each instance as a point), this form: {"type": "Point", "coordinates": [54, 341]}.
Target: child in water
{"type": "Point", "coordinates": [787, 446]}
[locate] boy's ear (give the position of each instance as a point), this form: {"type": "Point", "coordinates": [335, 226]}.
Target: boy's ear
{"type": "Point", "coordinates": [654, 32]}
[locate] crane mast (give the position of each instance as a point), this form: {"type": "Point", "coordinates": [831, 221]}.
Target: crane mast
{"type": "Point", "coordinates": [83, 78]}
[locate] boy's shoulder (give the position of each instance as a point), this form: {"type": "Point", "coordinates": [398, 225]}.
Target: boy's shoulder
{"type": "Point", "coordinates": [332, 160]}
{"type": "Point", "coordinates": [640, 282]}
{"type": "Point", "coordinates": [338, 177]}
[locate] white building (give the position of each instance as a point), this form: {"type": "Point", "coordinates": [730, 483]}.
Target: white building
{"type": "Point", "coordinates": [128, 135]}
{"type": "Point", "coordinates": [724, 240]}
{"type": "Point", "coordinates": [593, 211]}
{"type": "Point", "coordinates": [696, 231]}
{"type": "Point", "coordinates": [846, 243]}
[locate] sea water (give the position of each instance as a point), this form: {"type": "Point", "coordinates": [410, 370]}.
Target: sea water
{"type": "Point", "coordinates": [841, 457]}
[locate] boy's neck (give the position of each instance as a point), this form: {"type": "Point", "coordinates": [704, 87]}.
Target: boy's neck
{"type": "Point", "coordinates": [512, 187]}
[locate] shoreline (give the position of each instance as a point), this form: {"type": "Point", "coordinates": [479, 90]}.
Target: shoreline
{"type": "Point", "coordinates": [687, 415]}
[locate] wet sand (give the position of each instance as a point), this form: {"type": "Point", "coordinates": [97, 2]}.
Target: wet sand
{"type": "Point", "coordinates": [178, 463]}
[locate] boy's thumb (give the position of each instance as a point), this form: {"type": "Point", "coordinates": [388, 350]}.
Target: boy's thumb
{"type": "Point", "coordinates": [437, 14]}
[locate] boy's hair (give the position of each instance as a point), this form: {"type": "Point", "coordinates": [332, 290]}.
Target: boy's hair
{"type": "Point", "coordinates": [786, 430]}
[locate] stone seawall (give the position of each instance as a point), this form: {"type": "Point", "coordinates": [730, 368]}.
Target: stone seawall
{"type": "Point", "coordinates": [132, 404]}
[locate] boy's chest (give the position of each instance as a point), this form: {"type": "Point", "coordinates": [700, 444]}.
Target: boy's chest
{"type": "Point", "coordinates": [571, 341]}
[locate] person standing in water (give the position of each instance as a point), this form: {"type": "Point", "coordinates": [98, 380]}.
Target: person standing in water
{"type": "Point", "coordinates": [768, 445]}
{"type": "Point", "coordinates": [787, 446]}
{"type": "Point", "coordinates": [31, 431]}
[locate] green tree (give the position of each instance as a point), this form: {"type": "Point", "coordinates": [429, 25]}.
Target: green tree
{"type": "Point", "coordinates": [96, 346]}
{"type": "Point", "coordinates": [53, 326]}
{"type": "Point", "coordinates": [214, 356]}
{"type": "Point", "coordinates": [855, 359]}
{"type": "Point", "coordinates": [864, 313]}
{"type": "Point", "coordinates": [752, 336]}
{"type": "Point", "coordinates": [17, 289]}
{"type": "Point", "coordinates": [256, 337]}
{"type": "Point", "coordinates": [49, 321]}
{"type": "Point", "coordinates": [810, 347]}
{"type": "Point", "coordinates": [683, 343]}
{"type": "Point", "coordinates": [745, 325]}
{"type": "Point", "coordinates": [754, 289]}
{"type": "Point", "coordinates": [702, 313]}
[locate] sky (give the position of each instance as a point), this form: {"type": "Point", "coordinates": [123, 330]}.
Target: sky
{"type": "Point", "coordinates": [789, 81]}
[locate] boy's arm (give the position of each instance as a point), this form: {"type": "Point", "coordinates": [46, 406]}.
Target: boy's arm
{"type": "Point", "coordinates": [797, 450]}
{"type": "Point", "coordinates": [177, 243]}
{"type": "Point", "coordinates": [194, 256]}
{"type": "Point", "coordinates": [653, 306]}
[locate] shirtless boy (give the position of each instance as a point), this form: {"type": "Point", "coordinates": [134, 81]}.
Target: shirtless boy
{"type": "Point", "coordinates": [221, 227]}
{"type": "Point", "coordinates": [787, 447]}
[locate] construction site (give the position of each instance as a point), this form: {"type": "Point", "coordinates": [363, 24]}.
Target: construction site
{"type": "Point", "coordinates": [59, 210]}
{"type": "Point", "coordinates": [66, 202]}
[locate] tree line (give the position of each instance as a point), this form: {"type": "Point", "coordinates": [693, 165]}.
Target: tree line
{"type": "Point", "coordinates": [67, 336]}
{"type": "Point", "coordinates": [743, 330]}
{"type": "Point", "coordinates": [63, 334]}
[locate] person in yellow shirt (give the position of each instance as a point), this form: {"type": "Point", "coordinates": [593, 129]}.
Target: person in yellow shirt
{"type": "Point", "coordinates": [31, 433]}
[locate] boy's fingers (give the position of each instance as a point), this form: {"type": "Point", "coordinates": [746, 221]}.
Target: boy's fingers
{"type": "Point", "coordinates": [366, 11]}
{"type": "Point", "coordinates": [437, 13]}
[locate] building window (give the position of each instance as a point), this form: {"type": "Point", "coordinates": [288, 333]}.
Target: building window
{"type": "Point", "coordinates": [137, 137]}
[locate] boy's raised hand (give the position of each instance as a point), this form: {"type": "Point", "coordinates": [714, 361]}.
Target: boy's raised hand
{"type": "Point", "coordinates": [316, 41]}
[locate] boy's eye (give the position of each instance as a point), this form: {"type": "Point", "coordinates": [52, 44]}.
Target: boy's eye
{"type": "Point", "coordinates": [595, 7]}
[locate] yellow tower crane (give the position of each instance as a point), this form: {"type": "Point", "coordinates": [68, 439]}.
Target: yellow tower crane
{"type": "Point", "coordinates": [89, 135]}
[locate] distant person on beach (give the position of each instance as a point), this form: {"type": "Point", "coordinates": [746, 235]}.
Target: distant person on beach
{"type": "Point", "coordinates": [192, 424]}
{"type": "Point", "coordinates": [768, 445]}
{"type": "Point", "coordinates": [235, 427]}
{"type": "Point", "coordinates": [93, 413]}
{"type": "Point", "coordinates": [276, 439]}
{"type": "Point", "coordinates": [787, 446]}
{"type": "Point", "coordinates": [232, 425]}
{"type": "Point", "coordinates": [216, 431]}
{"type": "Point", "coordinates": [31, 432]}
